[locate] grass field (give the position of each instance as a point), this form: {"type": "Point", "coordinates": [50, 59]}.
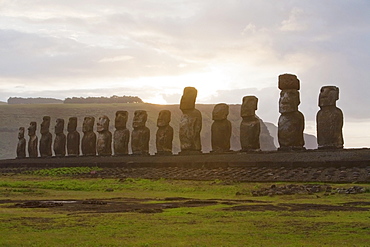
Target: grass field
{"type": "Point", "coordinates": [141, 212]}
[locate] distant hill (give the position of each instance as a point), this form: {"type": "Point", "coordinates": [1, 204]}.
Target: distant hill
{"type": "Point", "coordinates": [18, 100]}
{"type": "Point", "coordinates": [103, 100]}
{"type": "Point", "coordinates": [2, 103]}
{"type": "Point", "coordinates": [310, 140]}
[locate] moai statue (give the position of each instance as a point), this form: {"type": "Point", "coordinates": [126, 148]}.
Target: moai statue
{"type": "Point", "coordinates": [60, 139]}
{"type": "Point", "coordinates": [291, 121]}
{"type": "Point", "coordinates": [104, 141]}
{"type": "Point", "coordinates": [164, 135]}
{"type": "Point", "coordinates": [220, 129]}
{"type": "Point", "coordinates": [33, 141]}
{"type": "Point", "coordinates": [140, 134]}
{"type": "Point", "coordinates": [190, 123]}
{"type": "Point", "coordinates": [121, 135]}
{"type": "Point", "coordinates": [46, 138]}
{"type": "Point", "coordinates": [329, 120]}
{"type": "Point", "coordinates": [88, 143]}
{"type": "Point", "coordinates": [21, 146]}
{"type": "Point", "coordinates": [73, 138]}
{"type": "Point", "coordinates": [250, 127]}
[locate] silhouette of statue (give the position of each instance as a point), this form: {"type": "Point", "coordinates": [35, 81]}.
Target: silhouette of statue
{"type": "Point", "coordinates": [60, 139]}
{"type": "Point", "coordinates": [329, 119]}
{"type": "Point", "coordinates": [73, 138]}
{"type": "Point", "coordinates": [220, 129]}
{"type": "Point", "coordinates": [46, 138]}
{"type": "Point", "coordinates": [140, 134]}
{"type": "Point", "coordinates": [21, 146]}
{"type": "Point", "coordinates": [121, 134]}
{"type": "Point", "coordinates": [250, 127]}
{"type": "Point", "coordinates": [33, 141]}
{"type": "Point", "coordinates": [104, 143]}
{"type": "Point", "coordinates": [88, 144]}
{"type": "Point", "coordinates": [164, 135]}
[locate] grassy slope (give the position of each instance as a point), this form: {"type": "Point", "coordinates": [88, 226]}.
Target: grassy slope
{"type": "Point", "coordinates": [14, 116]}
{"type": "Point", "coordinates": [199, 226]}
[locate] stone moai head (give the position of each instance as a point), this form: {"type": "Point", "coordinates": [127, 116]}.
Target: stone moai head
{"type": "Point", "coordinates": [59, 126]}
{"type": "Point", "coordinates": [164, 118]}
{"type": "Point", "coordinates": [88, 124]}
{"type": "Point", "coordinates": [21, 133]}
{"type": "Point", "coordinates": [45, 125]}
{"type": "Point", "coordinates": [140, 117]}
{"type": "Point", "coordinates": [289, 95]}
{"type": "Point", "coordinates": [220, 112]}
{"type": "Point", "coordinates": [72, 124]}
{"type": "Point", "coordinates": [328, 96]}
{"type": "Point", "coordinates": [249, 106]}
{"type": "Point", "coordinates": [188, 98]}
{"type": "Point", "coordinates": [121, 120]}
{"type": "Point", "coordinates": [32, 128]}
{"type": "Point", "coordinates": [102, 124]}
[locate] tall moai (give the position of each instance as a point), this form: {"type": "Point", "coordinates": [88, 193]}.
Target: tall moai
{"type": "Point", "coordinates": [21, 146]}
{"type": "Point", "coordinates": [220, 129]}
{"type": "Point", "coordinates": [329, 119]}
{"type": "Point", "coordinates": [190, 123]}
{"type": "Point", "coordinates": [46, 138]}
{"type": "Point", "coordinates": [33, 141]}
{"type": "Point", "coordinates": [164, 135]}
{"type": "Point", "coordinates": [121, 135]}
{"type": "Point", "coordinates": [140, 134]}
{"type": "Point", "coordinates": [104, 140]}
{"type": "Point", "coordinates": [73, 138]}
{"type": "Point", "coordinates": [88, 143]}
{"type": "Point", "coordinates": [291, 121]}
{"type": "Point", "coordinates": [250, 127]}
{"type": "Point", "coordinates": [60, 139]}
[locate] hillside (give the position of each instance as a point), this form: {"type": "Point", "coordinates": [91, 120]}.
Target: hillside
{"type": "Point", "coordinates": [15, 116]}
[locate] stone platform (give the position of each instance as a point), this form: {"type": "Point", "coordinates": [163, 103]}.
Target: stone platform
{"type": "Point", "coordinates": [349, 165]}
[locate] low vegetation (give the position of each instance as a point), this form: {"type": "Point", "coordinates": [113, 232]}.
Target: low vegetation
{"type": "Point", "coordinates": [48, 209]}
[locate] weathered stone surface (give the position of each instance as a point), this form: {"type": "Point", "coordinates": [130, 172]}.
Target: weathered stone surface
{"type": "Point", "coordinates": [104, 141]}
{"type": "Point", "coordinates": [73, 138]}
{"type": "Point", "coordinates": [329, 119]}
{"type": "Point", "coordinates": [290, 131]}
{"type": "Point", "coordinates": [291, 121]}
{"type": "Point", "coordinates": [88, 144]}
{"type": "Point", "coordinates": [33, 141]}
{"type": "Point", "coordinates": [46, 138]}
{"type": "Point", "coordinates": [220, 129]}
{"type": "Point", "coordinates": [21, 146]}
{"type": "Point", "coordinates": [190, 123]}
{"type": "Point", "coordinates": [164, 135]}
{"type": "Point", "coordinates": [288, 81]}
{"type": "Point", "coordinates": [140, 134]}
{"type": "Point", "coordinates": [60, 139]}
{"type": "Point", "coordinates": [249, 106]}
{"type": "Point", "coordinates": [121, 135]}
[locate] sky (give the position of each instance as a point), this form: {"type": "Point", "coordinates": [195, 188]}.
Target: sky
{"type": "Point", "coordinates": [226, 49]}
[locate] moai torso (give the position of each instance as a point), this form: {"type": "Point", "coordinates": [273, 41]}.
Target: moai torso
{"type": "Point", "coordinates": [164, 135]}
{"type": "Point", "coordinates": [33, 140]}
{"type": "Point", "coordinates": [329, 119]}
{"type": "Point", "coordinates": [190, 123]}
{"type": "Point", "coordinates": [104, 141]}
{"type": "Point", "coordinates": [60, 139]}
{"type": "Point", "coordinates": [121, 134]}
{"type": "Point", "coordinates": [46, 138]}
{"type": "Point", "coordinates": [21, 146]}
{"type": "Point", "coordinates": [250, 127]}
{"type": "Point", "coordinates": [291, 121]}
{"type": "Point", "coordinates": [220, 129]}
{"type": "Point", "coordinates": [140, 134]}
{"type": "Point", "coordinates": [73, 138]}
{"type": "Point", "coordinates": [88, 144]}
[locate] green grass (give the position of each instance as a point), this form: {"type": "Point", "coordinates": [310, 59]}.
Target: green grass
{"type": "Point", "coordinates": [185, 226]}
